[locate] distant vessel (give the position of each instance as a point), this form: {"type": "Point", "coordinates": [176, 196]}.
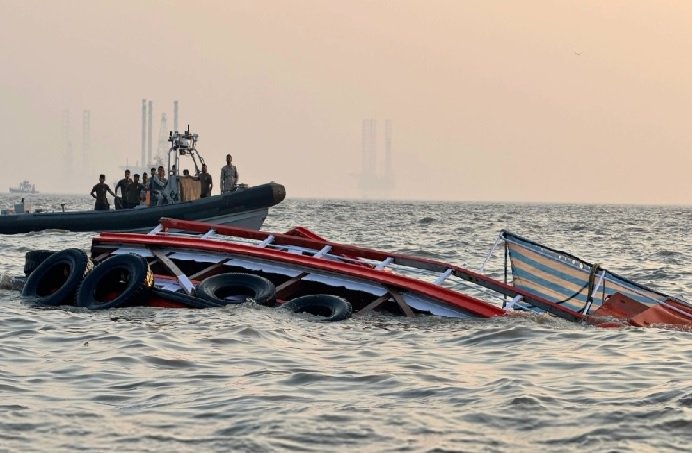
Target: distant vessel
{"type": "Point", "coordinates": [24, 187]}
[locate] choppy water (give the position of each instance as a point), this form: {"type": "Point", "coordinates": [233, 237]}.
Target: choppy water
{"type": "Point", "coordinates": [250, 378]}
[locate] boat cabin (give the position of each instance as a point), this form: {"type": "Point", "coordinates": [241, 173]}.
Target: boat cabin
{"type": "Point", "coordinates": [183, 187]}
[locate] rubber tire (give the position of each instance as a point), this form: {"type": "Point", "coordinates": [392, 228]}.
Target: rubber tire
{"type": "Point", "coordinates": [66, 269]}
{"type": "Point", "coordinates": [128, 275]}
{"type": "Point", "coordinates": [331, 308]}
{"type": "Point", "coordinates": [188, 300]}
{"type": "Point", "coordinates": [217, 287]}
{"type": "Point", "coordinates": [33, 258]}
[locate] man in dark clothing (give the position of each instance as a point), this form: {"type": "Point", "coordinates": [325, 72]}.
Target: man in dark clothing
{"type": "Point", "coordinates": [122, 185]}
{"type": "Point", "coordinates": [99, 192]}
{"type": "Point", "coordinates": [144, 193]}
{"type": "Point", "coordinates": [206, 183]}
{"type": "Point", "coordinates": [132, 193]}
{"type": "Point", "coordinates": [150, 188]}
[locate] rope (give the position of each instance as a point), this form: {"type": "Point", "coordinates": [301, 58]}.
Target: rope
{"type": "Point", "coordinates": [589, 284]}
{"type": "Point", "coordinates": [490, 253]}
{"type": "Point", "coordinates": [546, 252]}
{"type": "Point", "coordinates": [589, 294]}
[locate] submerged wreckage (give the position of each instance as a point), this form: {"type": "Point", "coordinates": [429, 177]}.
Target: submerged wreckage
{"type": "Point", "coordinates": [194, 264]}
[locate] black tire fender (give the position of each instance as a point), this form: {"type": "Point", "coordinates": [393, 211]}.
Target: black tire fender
{"type": "Point", "coordinates": [329, 307]}
{"type": "Point", "coordinates": [33, 258]}
{"type": "Point", "coordinates": [189, 301]}
{"type": "Point", "coordinates": [57, 278]}
{"type": "Point", "coordinates": [118, 281]}
{"type": "Point", "coordinates": [218, 288]}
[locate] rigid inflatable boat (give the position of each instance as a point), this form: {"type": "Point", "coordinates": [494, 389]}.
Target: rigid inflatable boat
{"type": "Point", "coordinates": [179, 198]}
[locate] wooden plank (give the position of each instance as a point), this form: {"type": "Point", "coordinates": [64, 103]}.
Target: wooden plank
{"type": "Point", "coordinates": [266, 242]}
{"type": "Point", "coordinates": [443, 276]}
{"type": "Point", "coordinates": [204, 272]}
{"type": "Point", "coordinates": [323, 251]}
{"type": "Point", "coordinates": [208, 234]}
{"type": "Point", "coordinates": [101, 256]}
{"type": "Point", "coordinates": [287, 287]}
{"type": "Point", "coordinates": [384, 263]}
{"type": "Point", "coordinates": [291, 281]}
{"type": "Point", "coordinates": [175, 270]}
{"type": "Point", "coordinates": [157, 229]}
{"type": "Point", "coordinates": [374, 304]}
{"type": "Point", "coordinates": [402, 303]}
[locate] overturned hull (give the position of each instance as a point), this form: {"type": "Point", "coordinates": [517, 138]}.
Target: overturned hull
{"type": "Point", "coordinates": [247, 208]}
{"type": "Point", "coordinates": [297, 264]}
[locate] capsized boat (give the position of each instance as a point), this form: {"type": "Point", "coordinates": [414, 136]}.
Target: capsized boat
{"type": "Point", "coordinates": [180, 198]}
{"type": "Point", "coordinates": [544, 279]}
{"type": "Point", "coordinates": [185, 263]}
{"type": "Point", "coordinates": [185, 256]}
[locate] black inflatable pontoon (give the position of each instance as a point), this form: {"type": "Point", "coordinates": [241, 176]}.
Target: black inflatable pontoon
{"type": "Point", "coordinates": [246, 208]}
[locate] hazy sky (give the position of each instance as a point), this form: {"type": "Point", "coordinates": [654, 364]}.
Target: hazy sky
{"type": "Point", "coordinates": [564, 101]}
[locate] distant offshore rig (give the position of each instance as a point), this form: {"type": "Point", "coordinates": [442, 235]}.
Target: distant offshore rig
{"type": "Point", "coordinates": [148, 160]}
{"type": "Point", "coordinates": [376, 178]}
{"type": "Point", "coordinates": [84, 165]}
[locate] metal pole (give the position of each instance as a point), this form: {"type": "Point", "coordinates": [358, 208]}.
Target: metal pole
{"type": "Point", "coordinates": [144, 131]}
{"type": "Point", "coordinates": [86, 139]}
{"type": "Point", "coordinates": [388, 151]}
{"type": "Point", "coordinates": [145, 164]}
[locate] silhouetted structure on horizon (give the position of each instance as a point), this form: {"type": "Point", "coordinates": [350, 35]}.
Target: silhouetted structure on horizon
{"type": "Point", "coordinates": [376, 178]}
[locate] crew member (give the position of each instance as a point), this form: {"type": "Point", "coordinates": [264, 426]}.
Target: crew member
{"type": "Point", "coordinates": [144, 193]}
{"type": "Point", "coordinates": [152, 195]}
{"type": "Point", "coordinates": [229, 176]}
{"type": "Point", "coordinates": [122, 185]}
{"type": "Point", "coordinates": [99, 192]}
{"type": "Point", "coordinates": [206, 183]}
{"type": "Point", "coordinates": [158, 184]}
{"type": "Point", "coordinates": [132, 193]}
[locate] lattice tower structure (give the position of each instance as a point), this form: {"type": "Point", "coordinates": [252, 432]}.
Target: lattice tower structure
{"type": "Point", "coordinates": [162, 149]}
{"type": "Point", "coordinates": [149, 132]}
{"type": "Point", "coordinates": [144, 132]}
{"type": "Point", "coordinates": [86, 141]}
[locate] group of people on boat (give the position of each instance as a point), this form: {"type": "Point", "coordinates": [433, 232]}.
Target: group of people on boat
{"type": "Point", "coordinates": [150, 190]}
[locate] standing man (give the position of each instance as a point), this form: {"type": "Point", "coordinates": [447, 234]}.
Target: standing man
{"type": "Point", "coordinates": [152, 195]}
{"type": "Point", "coordinates": [229, 176]}
{"type": "Point", "coordinates": [122, 185]}
{"type": "Point", "coordinates": [206, 183]}
{"type": "Point", "coordinates": [144, 193]}
{"type": "Point", "coordinates": [132, 193]}
{"type": "Point", "coordinates": [99, 192]}
{"type": "Point", "coordinates": [158, 184]}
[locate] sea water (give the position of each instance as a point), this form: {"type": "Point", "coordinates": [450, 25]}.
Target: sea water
{"type": "Point", "coordinates": [251, 378]}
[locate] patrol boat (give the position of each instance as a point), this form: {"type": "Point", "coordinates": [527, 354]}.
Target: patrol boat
{"type": "Point", "coordinates": [247, 207]}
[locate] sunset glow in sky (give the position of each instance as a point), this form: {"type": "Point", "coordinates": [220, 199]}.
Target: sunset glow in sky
{"type": "Point", "coordinates": [536, 101]}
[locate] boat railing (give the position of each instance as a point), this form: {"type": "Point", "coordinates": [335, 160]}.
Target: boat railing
{"type": "Point", "coordinates": [418, 268]}
{"type": "Point", "coordinates": [447, 275]}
